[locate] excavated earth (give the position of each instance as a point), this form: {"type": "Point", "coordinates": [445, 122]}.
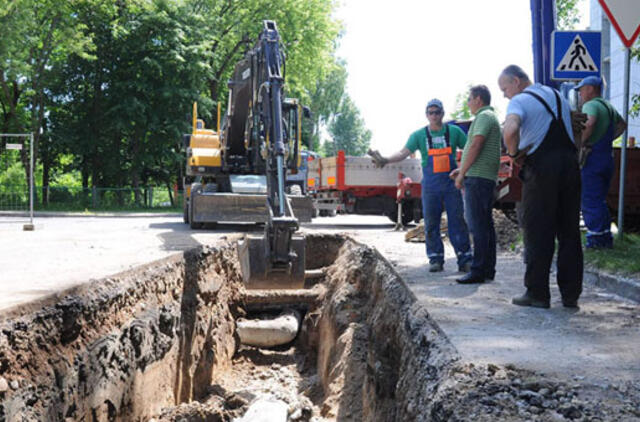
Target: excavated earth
{"type": "Point", "coordinates": [159, 343]}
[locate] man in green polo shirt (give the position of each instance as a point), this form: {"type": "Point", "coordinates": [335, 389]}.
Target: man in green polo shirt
{"type": "Point", "coordinates": [478, 173]}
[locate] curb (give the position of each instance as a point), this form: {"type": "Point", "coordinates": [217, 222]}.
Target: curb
{"type": "Point", "coordinates": [124, 214]}
{"type": "Point", "coordinates": [628, 288]}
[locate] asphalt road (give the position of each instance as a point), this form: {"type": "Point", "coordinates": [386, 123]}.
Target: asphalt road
{"type": "Point", "coordinates": [598, 342]}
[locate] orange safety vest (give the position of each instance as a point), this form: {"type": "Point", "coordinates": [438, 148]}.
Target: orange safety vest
{"type": "Point", "coordinates": [441, 156]}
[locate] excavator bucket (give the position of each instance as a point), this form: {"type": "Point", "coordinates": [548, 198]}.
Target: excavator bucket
{"type": "Point", "coordinates": [259, 270]}
{"type": "Point", "coordinates": [275, 260]}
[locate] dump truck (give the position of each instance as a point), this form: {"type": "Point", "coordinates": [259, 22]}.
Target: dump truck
{"type": "Point", "coordinates": [353, 185]}
{"type": "Point", "coordinates": [239, 171]}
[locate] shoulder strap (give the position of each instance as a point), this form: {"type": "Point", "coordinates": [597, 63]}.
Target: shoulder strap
{"type": "Point", "coordinates": [543, 102]}
{"type": "Point", "coordinates": [429, 138]}
{"type": "Point", "coordinates": [609, 110]}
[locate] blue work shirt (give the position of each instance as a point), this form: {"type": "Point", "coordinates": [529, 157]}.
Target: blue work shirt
{"type": "Point", "coordinates": [534, 118]}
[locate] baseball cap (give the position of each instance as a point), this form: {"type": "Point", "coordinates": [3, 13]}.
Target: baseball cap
{"type": "Point", "coordinates": [435, 103]}
{"type": "Point", "coordinates": [590, 80]}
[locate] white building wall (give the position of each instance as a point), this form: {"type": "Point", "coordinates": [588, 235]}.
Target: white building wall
{"type": "Point", "coordinates": [615, 74]}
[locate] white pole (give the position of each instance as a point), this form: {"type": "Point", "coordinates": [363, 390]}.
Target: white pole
{"type": "Point", "coordinates": [623, 149]}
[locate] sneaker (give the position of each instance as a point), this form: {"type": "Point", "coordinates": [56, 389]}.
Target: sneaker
{"type": "Point", "coordinates": [465, 268]}
{"type": "Point", "coordinates": [435, 267]}
{"type": "Point", "coordinates": [527, 300]}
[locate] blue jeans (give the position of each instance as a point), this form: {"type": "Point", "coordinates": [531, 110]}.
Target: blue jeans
{"type": "Point", "coordinates": [478, 201]}
{"type": "Point", "coordinates": [432, 207]}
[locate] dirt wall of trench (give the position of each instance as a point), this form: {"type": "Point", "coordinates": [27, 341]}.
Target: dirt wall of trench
{"type": "Point", "coordinates": [380, 355]}
{"type": "Point", "coordinates": [121, 348]}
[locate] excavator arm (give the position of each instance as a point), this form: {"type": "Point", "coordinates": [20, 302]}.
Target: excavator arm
{"type": "Point", "coordinates": [275, 259]}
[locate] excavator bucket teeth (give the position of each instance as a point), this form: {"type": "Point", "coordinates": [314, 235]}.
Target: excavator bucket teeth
{"type": "Point", "coordinates": [258, 270]}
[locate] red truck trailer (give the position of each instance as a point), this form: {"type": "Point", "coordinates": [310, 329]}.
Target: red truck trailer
{"type": "Point", "coordinates": [353, 185]}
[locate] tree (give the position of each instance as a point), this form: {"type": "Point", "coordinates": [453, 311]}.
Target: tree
{"type": "Point", "coordinates": [326, 98]}
{"type": "Point", "coordinates": [461, 111]}
{"type": "Point", "coordinates": [567, 14]}
{"type": "Point", "coordinates": [35, 34]}
{"type": "Point", "coordinates": [348, 131]}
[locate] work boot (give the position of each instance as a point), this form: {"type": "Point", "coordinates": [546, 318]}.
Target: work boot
{"type": "Point", "coordinates": [570, 304]}
{"type": "Point", "coordinates": [528, 300]}
{"type": "Point", "coordinates": [435, 267]}
{"type": "Point", "coordinates": [470, 278]}
{"type": "Point", "coordinates": [464, 268]}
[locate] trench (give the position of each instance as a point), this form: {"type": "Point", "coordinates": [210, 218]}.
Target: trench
{"type": "Point", "coordinates": [160, 343]}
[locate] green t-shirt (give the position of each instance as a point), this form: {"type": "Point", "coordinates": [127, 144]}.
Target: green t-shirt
{"type": "Point", "coordinates": [487, 163]}
{"type": "Point", "coordinates": [595, 107]}
{"type": "Point", "coordinates": [418, 140]}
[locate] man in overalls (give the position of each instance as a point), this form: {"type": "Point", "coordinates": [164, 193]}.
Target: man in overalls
{"type": "Point", "coordinates": [438, 143]}
{"type": "Point", "coordinates": [538, 128]}
{"type": "Point", "coordinates": [603, 125]}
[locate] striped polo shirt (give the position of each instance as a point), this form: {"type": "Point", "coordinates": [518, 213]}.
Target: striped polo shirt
{"type": "Point", "coordinates": [487, 163]}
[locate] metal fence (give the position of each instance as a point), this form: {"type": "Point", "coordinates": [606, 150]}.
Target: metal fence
{"type": "Point", "coordinates": [73, 198]}
{"type": "Point", "coordinates": [15, 193]}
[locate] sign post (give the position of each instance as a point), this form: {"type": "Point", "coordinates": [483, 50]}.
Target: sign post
{"type": "Point", "coordinates": [625, 18]}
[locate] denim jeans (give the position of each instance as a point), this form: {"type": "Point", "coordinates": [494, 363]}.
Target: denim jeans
{"type": "Point", "coordinates": [432, 207]}
{"type": "Point", "coordinates": [478, 201]}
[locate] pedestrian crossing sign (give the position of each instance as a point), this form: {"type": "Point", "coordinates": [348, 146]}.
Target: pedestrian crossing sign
{"type": "Point", "coordinates": [575, 54]}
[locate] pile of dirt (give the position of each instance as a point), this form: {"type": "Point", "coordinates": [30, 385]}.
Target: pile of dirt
{"type": "Point", "coordinates": [491, 392]}
{"type": "Point", "coordinates": [507, 231]}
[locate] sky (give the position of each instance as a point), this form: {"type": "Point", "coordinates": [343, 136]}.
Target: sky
{"type": "Point", "coordinates": [402, 53]}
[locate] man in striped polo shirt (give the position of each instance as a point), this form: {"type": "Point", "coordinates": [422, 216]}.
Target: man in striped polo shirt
{"type": "Point", "coordinates": [478, 172]}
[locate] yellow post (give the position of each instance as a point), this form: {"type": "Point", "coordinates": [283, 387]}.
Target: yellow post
{"type": "Point", "coordinates": [218, 127]}
{"type": "Point", "coordinates": [195, 116]}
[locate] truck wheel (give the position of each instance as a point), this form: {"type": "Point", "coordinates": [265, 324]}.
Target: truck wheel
{"type": "Point", "coordinates": [196, 188]}
{"type": "Point", "coordinates": [185, 211]}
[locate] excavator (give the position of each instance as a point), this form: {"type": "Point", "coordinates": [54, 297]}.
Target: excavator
{"type": "Point", "coordinates": [238, 172]}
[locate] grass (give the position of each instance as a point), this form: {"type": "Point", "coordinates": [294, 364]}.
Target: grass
{"type": "Point", "coordinates": [624, 258]}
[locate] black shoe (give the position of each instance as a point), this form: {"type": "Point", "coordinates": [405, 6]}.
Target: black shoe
{"type": "Point", "coordinates": [490, 277]}
{"type": "Point", "coordinates": [464, 268]}
{"type": "Point", "coordinates": [435, 267]}
{"type": "Point", "coordinates": [526, 300]}
{"type": "Point", "coordinates": [570, 304]}
{"type": "Point", "coordinates": [470, 278]}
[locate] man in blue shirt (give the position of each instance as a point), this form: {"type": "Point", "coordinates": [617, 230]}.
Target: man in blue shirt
{"type": "Point", "coordinates": [437, 143]}
{"type": "Point", "coordinates": [538, 128]}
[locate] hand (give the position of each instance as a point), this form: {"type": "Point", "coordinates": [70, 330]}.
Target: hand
{"type": "Point", "coordinates": [578, 123]}
{"type": "Point", "coordinates": [460, 181]}
{"type": "Point", "coordinates": [378, 160]}
{"type": "Point", "coordinates": [454, 173]}
{"type": "Point", "coordinates": [521, 154]}
{"type": "Point", "coordinates": [583, 154]}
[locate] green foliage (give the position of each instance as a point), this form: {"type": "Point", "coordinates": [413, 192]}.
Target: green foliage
{"type": "Point", "coordinates": [624, 258]}
{"type": "Point", "coordinates": [110, 83]}
{"type": "Point", "coordinates": [567, 14]}
{"type": "Point", "coordinates": [348, 131]}
{"type": "Point", "coordinates": [461, 110]}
